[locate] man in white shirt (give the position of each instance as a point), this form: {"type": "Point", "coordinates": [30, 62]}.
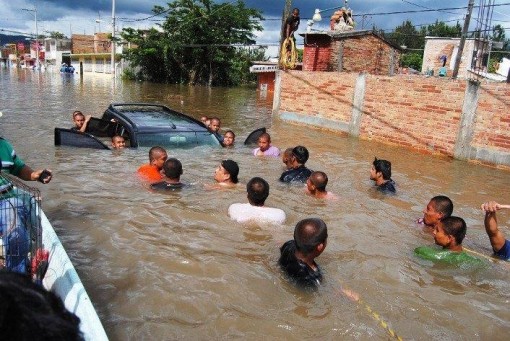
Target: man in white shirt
{"type": "Point", "coordinates": [258, 191]}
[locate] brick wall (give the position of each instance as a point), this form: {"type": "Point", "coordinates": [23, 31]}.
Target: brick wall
{"type": "Point", "coordinates": [405, 110]}
{"type": "Point", "coordinates": [436, 47]}
{"type": "Point", "coordinates": [492, 122]}
{"type": "Point", "coordinates": [358, 53]}
{"type": "Point", "coordinates": [317, 54]}
{"type": "Point", "coordinates": [82, 43]}
{"type": "Point", "coordinates": [325, 97]}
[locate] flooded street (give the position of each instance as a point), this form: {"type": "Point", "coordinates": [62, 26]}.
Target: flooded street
{"type": "Point", "coordinates": [174, 266]}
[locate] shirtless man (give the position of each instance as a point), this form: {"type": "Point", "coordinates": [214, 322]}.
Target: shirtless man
{"type": "Point", "coordinates": [500, 245]}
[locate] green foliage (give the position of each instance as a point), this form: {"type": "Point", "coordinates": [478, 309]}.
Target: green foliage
{"type": "Point", "coordinates": [57, 35]}
{"type": "Point", "coordinates": [412, 60]}
{"type": "Point", "coordinates": [195, 45]}
{"type": "Point", "coordinates": [440, 29]}
{"type": "Point", "coordinates": [300, 55]}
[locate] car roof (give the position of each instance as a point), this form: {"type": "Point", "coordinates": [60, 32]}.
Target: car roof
{"type": "Point", "coordinates": [145, 116]}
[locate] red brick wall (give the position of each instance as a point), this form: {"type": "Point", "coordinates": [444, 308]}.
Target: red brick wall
{"type": "Point", "coordinates": [82, 43]}
{"type": "Point", "coordinates": [328, 97]}
{"type": "Point", "coordinates": [404, 110]}
{"type": "Point", "coordinates": [417, 112]}
{"type": "Point", "coordinates": [365, 53]}
{"type": "Point", "coordinates": [317, 54]}
{"type": "Point", "coordinates": [492, 122]}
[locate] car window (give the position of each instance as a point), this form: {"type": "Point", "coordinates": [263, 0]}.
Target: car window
{"type": "Point", "coordinates": [153, 116]}
{"type": "Point", "coordinates": [176, 139]}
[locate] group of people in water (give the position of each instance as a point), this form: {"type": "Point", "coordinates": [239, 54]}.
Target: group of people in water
{"type": "Point", "coordinates": [310, 235]}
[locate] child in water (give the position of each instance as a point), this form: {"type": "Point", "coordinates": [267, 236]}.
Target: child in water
{"type": "Point", "coordinates": [265, 148]}
{"type": "Point", "coordinates": [449, 234]}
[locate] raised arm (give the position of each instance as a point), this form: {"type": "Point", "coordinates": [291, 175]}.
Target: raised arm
{"type": "Point", "coordinates": [496, 237]}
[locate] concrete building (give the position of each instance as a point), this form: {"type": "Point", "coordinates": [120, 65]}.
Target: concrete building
{"type": "Point", "coordinates": [350, 51]}
{"type": "Point", "coordinates": [439, 51]}
{"type": "Point", "coordinates": [56, 51]}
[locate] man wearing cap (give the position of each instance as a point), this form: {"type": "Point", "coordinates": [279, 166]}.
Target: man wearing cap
{"type": "Point", "coordinates": [254, 210]}
{"type": "Point", "coordinates": [226, 173]}
{"type": "Point", "coordinates": [297, 172]}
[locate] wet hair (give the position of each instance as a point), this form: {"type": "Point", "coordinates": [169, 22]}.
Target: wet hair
{"type": "Point", "coordinates": [172, 168]}
{"type": "Point", "coordinates": [456, 227]}
{"type": "Point", "coordinates": [215, 119]}
{"type": "Point", "coordinates": [443, 205]}
{"type": "Point", "coordinates": [288, 152]}
{"type": "Point", "coordinates": [77, 113]}
{"type": "Point", "coordinates": [154, 151]}
{"type": "Point", "coordinates": [319, 180]}
{"type": "Point", "coordinates": [295, 9]}
{"type": "Point", "coordinates": [309, 233]}
{"type": "Point", "coordinates": [258, 191]}
{"type": "Point", "coordinates": [301, 154]}
{"type": "Point", "coordinates": [383, 166]}
{"type": "Point", "coordinates": [116, 136]}
{"type": "Point", "coordinates": [231, 132]}
{"type": "Point", "coordinates": [265, 136]}
{"type": "Point", "coordinates": [28, 311]}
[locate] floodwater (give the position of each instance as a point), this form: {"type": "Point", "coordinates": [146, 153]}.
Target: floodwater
{"type": "Point", "coordinates": [173, 266]}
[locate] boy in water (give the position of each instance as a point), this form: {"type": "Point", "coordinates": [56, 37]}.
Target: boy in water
{"type": "Point", "coordinates": [173, 171]}
{"type": "Point", "coordinates": [152, 171]}
{"type": "Point", "coordinates": [118, 142]}
{"type": "Point", "coordinates": [80, 121]}
{"type": "Point", "coordinates": [298, 255]}
{"type": "Point", "coordinates": [214, 127]}
{"type": "Point", "coordinates": [286, 155]}
{"type": "Point", "coordinates": [316, 185]}
{"type": "Point", "coordinates": [381, 174]}
{"type": "Point", "coordinates": [226, 173]}
{"type": "Point", "coordinates": [229, 138]}
{"type": "Point", "coordinates": [439, 207]}
{"type": "Point", "coordinates": [297, 171]}
{"type": "Point", "coordinates": [449, 234]}
{"type": "Point", "coordinates": [265, 148]}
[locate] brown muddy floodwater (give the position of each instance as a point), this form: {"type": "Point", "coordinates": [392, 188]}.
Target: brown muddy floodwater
{"type": "Point", "coordinates": [173, 266]}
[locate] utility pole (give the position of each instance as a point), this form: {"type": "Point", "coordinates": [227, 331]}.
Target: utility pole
{"type": "Point", "coordinates": [462, 39]}
{"type": "Point", "coordinates": [113, 39]}
{"type": "Point", "coordinates": [36, 36]}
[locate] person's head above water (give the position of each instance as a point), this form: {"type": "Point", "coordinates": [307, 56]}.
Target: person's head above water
{"type": "Point", "coordinates": [317, 182]}
{"type": "Point", "coordinates": [380, 168]}
{"type": "Point", "coordinates": [450, 232]}
{"type": "Point", "coordinates": [172, 169]}
{"type": "Point", "coordinates": [78, 119]}
{"type": "Point", "coordinates": [438, 208]}
{"type": "Point", "coordinates": [258, 191]}
{"type": "Point", "coordinates": [299, 156]}
{"type": "Point", "coordinates": [157, 156]}
{"type": "Point", "coordinates": [311, 236]}
{"type": "Point", "coordinates": [286, 158]}
{"type": "Point", "coordinates": [264, 142]}
{"type": "Point", "coordinates": [229, 138]}
{"type": "Point", "coordinates": [118, 142]}
{"type": "Point", "coordinates": [227, 172]}
{"type": "Point", "coordinates": [215, 124]}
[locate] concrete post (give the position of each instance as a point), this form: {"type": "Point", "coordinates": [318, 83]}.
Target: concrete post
{"type": "Point", "coordinates": [340, 65]}
{"type": "Point", "coordinates": [357, 105]}
{"type": "Point", "coordinates": [277, 91]}
{"type": "Point", "coordinates": [466, 130]}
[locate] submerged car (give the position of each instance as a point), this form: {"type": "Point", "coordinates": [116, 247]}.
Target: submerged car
{"type": "Point", "coordinates": [141, 125]}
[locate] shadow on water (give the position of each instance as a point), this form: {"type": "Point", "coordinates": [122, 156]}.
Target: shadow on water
{"type": "Point", "coordinates": [175, 267]}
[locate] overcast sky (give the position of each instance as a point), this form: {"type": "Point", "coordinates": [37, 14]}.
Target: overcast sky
{"type": "Point", "coordinates": [79, 16]}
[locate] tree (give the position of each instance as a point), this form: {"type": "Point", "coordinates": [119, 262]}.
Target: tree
{"type": "Point", "coordinates": [197, 42]}
{"type": "Point", "coordinates": [57, 35]}
{"type": "Point", "coordinates": [407, 35]}
{"type": "Point", "coordinates": [440, 29]}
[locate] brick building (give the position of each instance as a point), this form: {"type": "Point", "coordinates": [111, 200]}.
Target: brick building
{"type": "Point", "coordinates": [474, 55]}
{"type": "Point", "coordinates": [351, 51]}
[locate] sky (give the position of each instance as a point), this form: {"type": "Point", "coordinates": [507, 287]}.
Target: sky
{"type": "Point", "coordinates": [90, 16]}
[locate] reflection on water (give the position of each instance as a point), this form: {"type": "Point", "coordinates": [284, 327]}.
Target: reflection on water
{"type": "Point", "coordinates": [173, 266]}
